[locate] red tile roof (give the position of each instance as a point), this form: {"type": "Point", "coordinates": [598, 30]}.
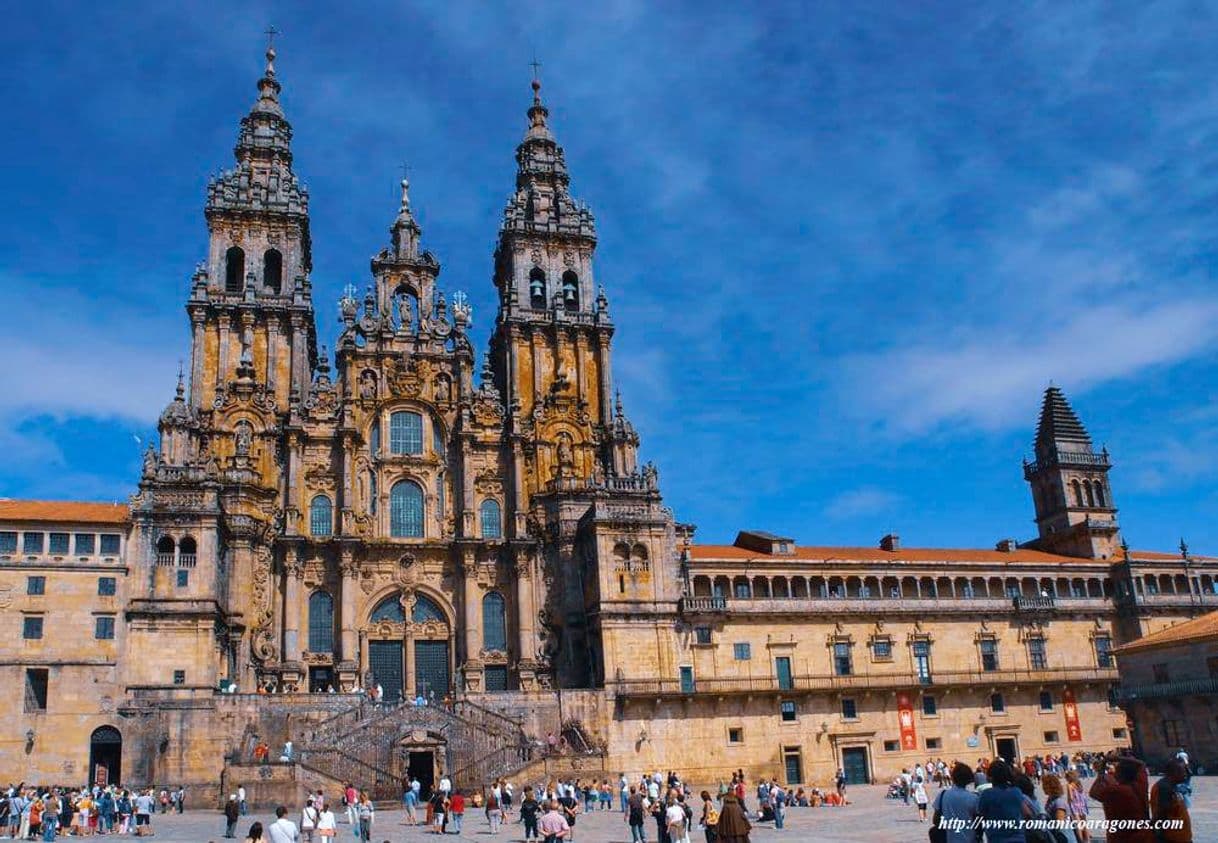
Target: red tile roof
{"type": "Point", "coordinates": [63, 512]}
{"type": "Point", "coordinates": [729, 552]}
{"type": "Point", "coordinates": [1198, 629]}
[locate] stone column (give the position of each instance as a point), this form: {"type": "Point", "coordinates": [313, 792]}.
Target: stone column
{"type": "Point", "coordinates": [347, 619]}
{"type": "Point", "coordinates": [472, 603]}
{"type": "Point", "coordinates": [526, 614]}
{"type": "Point", "coordinates": [294, 570]}
{"type": "Point", "coordinates": [606, 377]}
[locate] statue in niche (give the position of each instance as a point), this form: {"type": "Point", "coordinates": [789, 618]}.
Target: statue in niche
{"type": "Point", "coordinates": [367, 386]}
{"type": "Point", "coordinates": [566, 456]}
{"type": "Point", "coordinates": [247, 346]}
{"type": "Point", "coordinates": [244, 439]}
{"type": "Point", "coordinates": [405, 313]}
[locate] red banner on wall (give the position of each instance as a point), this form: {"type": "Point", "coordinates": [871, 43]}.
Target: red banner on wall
{"type": "Point", "coordinates": [905, 717]}
{"type": "Point", "coordinates": [1074, 732]}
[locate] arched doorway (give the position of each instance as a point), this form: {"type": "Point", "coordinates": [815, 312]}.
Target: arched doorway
{"type": "Point", "coordinates": [409, 657]}
{"type": "Point", "coordinates": [105, 755]}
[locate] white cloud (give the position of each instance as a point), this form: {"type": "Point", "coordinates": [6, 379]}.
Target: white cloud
{"type": "Point", "coordinates": [867, 501]}
{"type": "Point", "coordinates": [985, 381]}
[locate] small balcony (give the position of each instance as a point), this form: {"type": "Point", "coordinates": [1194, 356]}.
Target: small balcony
{"type": "Point", "coordinates": [1041, 603]}
{"type": "Point", "coordinates": [703, 605]}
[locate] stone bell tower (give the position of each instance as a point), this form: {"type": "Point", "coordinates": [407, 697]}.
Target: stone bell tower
{"type": "Point", "coordinates": [551, 347]}
{"type": "Point", "coordinates": [1075, 515]}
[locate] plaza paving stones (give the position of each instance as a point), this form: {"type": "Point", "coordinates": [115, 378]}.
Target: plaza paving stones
{"type": "Point", "coordinates": [870, 818]}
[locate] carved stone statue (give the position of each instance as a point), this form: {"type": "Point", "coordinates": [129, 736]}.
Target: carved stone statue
{"type": "Point", "coordinates": [566, 455]}
{"type": "Point", "coordinates": [245, 439]}
{"type": "Point", "coordinates": [149, 462]}
{"type": "Point", "coordinates": [367, 386]}
{"type": "Point", "coordinates": [405, 314]}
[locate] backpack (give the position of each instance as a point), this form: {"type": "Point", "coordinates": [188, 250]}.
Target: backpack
{"type": "Point", "coordinates": [712, 816]}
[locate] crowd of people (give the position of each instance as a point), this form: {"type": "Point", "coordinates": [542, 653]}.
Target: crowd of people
{"type": "Point", "coordinates": [997, 801]}
{"type": "Point", "coordinates": [45, 813]}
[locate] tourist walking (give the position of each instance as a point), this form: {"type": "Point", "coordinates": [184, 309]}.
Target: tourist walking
{"type": "Point", "coordinates": [232, 812]}
{"type": "Point", "coordinates": [920, 797]}
{"type": "Point", "coordinates": [710, 817]}
{"type": "Point", "coordinates": [283, 830]}
{"type": "Point", "coordinates": [494, 813]}
{"type": "Point", "coordinates": [1077, 798]}
{"type": "Point", "coordinates": [241, 803]}
{"type": "Point", "coordinates": [959, 804]}
{"type": "Point", "coordinates": [553, 825]}
{"type": "Point", "coordinates": [308, 820]}
{"type": "Point", "coordinates": [1002, 802]}
{"type": "Point", "coordinates": [1057, 807]}
{"type": "Point", "coordinates": [1167, 804]}
{"type": "Point", "coordinates": [365, 813]}
{"type": "Point", "coordinates": [529, 810]}
{"type": "Point", "coordinates": [327, 824]}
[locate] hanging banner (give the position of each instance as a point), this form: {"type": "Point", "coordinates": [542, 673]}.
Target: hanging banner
{"type": "Point", "coordinates": [1074, 732]}
{"type": "Point", "coordinates": [905, 717]}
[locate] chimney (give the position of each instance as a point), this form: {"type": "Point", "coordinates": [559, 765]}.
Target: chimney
{"type": "Point", "coordinates": [1007, 546]}
{"type": "Point", "coordinates": [891, 543]}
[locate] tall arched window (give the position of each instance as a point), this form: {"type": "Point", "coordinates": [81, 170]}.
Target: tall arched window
{"type": "Point", "coordinates": [492, 522]}
{"type": "Point", "coordinates": [1078, 492]}
{"type": "Point", "coordinates": [1099, 494]}
{"type": "Point", "coordinates": [321, 516]}
{"type": "Point", "coordinates": [1090, 494]}
{"type": "Point", "coordinates": [405, 433]}
{"type": "Point", "coordinates": [537, 289]}
{"type": "Point", "coordinates": [272, 270]}
{"type": "Point", "coordinates": [321, 622]}
{"type": "Point", "coordinates": [570, 290]}
{"type": "Point", "coordinates": [406, 511]}
{"type": "Point", "coordinates": [494, 622]}
{"type": "Point", "coordinates": [187, 552]}
{"type": "Point", "coordinates": [374, 438]}
{"type": "Point", "coordinates": [425, 610]}
{"type": "Point", "coordinates": [234, 270]}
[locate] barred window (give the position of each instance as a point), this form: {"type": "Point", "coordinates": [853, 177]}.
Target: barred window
{"type": "Point", "coordinates": [321, 516]}
{"type": "Point", "coordinates": [406, 433]}
{"type": "Point", "coordinates": [32, 542]}
{"type": "Point", "coordinates": [31, 627]}
{"type": "Point", "coordinates": [8, 542]}
{"type": "Point", "coordinates": [742, 651]}
{"type": "Point", "coordinates": [106, 586]}
{"type": "Point", "coordinates": [406, 510]}
{"type": "Point", "coordinates": [494, 622]}
{"type": "Point", "coordinates": [492, 522]}
{"type": "Point", "coordinates": [36, 586]}
{"type": "Point", "coordinates": [84, 544]}
{"type": "Point", "coordinates": [110, 544]}
{"type": "Point", "coordinates": [321, 622]}
{"type": "Point", "coordinates": [59, 543]}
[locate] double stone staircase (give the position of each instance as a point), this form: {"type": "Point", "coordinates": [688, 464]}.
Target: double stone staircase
{"type": "Point", "coordinates": [367, 745]}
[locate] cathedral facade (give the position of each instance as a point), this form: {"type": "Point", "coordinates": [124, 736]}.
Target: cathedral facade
{"type": "Point", "coordinates": [410, 514]}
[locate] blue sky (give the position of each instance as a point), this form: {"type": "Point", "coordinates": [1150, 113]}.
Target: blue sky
{"type": "Point", "coordinates": [846, 245]}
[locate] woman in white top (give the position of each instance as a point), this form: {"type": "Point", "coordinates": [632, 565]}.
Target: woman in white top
{"type": "Point", "coordinates": [308, 821]}
{"type": "Point", "coordinates": [327, 828]}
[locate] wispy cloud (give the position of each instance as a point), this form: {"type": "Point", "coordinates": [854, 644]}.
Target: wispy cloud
{"type": "Point", "coordinates": [865, 502]}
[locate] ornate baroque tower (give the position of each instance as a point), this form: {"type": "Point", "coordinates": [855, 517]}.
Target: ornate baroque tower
{"type": "Point", "coordinates": [573, 451]}
{"type": "Point", "coordinates": [1075, 514]}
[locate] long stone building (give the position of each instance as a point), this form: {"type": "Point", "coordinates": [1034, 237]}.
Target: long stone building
{"type": "Point", "coordinates": [408, 514]}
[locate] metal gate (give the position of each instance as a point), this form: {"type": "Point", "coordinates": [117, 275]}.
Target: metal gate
{"type": "Point", "coordinates": [431, 667]}
{"type": "Point", "coordinates": [385, 660]}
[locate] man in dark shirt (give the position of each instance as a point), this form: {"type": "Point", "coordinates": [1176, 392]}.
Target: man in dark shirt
{"type": "Point", "coordinates": [1123, 795]}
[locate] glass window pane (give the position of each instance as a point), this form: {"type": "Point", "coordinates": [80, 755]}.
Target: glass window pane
{"type": "Point", "coordinates": [406, 511]}
{"type": "Point", "coordinates": [492, 527]}
{"type": "Point", "coordinates": [406, 433]}
{"type": "Point", "coordinates": [426, 610]}
{"type": "Point", "coordinates": [32, 542]}
{"type": "Point", "coordinates": [321, 622]}
{"type": "Point", "coordinates": [8, 542]}
{"type": "Point", "coordinates": [321, 516]}
{"type": "Point", "coordinates": [84, 544]}
{"type": "Point", "coordinates": [110, 544]}
{"type": "Point", "coordinates": [106, 586]}
{"type": "Point", "coordinates": [494, 622]}
{"type": "Point", "coordinates": [390, 609]}
{"type": "Point", "coordinates": [105, 628]}
{"type": "Point", "coordinates": [496, 677]}
{"type": "Point", "coordinates": [59, 543]}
